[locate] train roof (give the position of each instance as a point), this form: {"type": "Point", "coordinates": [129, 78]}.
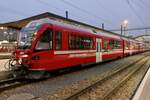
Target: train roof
{"type": "Point", "coordinates": [53, 22]}
{"type": "Point", "coordinates": [71, 27]}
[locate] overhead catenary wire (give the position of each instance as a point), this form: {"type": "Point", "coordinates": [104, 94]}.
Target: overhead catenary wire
{"type": "Point", "coordinates": [145, 4]}
{"type": "Point", "coordinates": [133, 29]}
{"type": "Point", "coordinates": [85, 11]}
{"type": "Point", "coordinates": [59, 9]}
{"type": "Point", "coordinates": [141, 6]}
{"type": "Point", "coordinates": [107, 10]}
{"type": "Point", "coordinates": [81, 9]}
{"type": "Point", "coordinates": [135, 12]}
{"type": "Point", "coordinates": [144, 11]}
{"type": "Point", "coordinates": [48, 5]}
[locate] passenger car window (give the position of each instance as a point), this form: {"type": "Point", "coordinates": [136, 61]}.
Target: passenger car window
{"type": "Point", "coordinates": [58, 40]}
{"type": "Point", "coordinates": [72, 41]}
{"type": "Point", "coordinates": [106, 45]}
{"type": "Point", "coordinates": [45, 41]}
{"type": "Point", "coordinates": [114, 44]}
{"type": "Point", "coordinates": [80, 42]}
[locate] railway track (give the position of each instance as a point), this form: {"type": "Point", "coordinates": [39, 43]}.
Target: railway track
{"type": "Point", "coordinates": [16, 83]}
{"type": "Point", "coordinates": [10, 83]}
{"type": "Point", "coordinates": [5, 75]}
{"type": "Point", "coordinates": [99, 87]}
{"type": "Point", "coordinates": [125, 79]}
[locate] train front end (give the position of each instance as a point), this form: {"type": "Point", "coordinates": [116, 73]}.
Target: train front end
{"type": "Point", "coordinates": [21, 62]}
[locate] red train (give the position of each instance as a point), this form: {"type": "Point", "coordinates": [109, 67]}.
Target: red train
{"type": "Point", "coordinates": [46, 45]}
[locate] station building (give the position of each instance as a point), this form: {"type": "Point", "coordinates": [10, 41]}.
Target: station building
{"type": "Point", "coordinates": [143, 38]}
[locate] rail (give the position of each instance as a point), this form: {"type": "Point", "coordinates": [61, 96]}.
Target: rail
{"type": "Point", "coordinates": [89, 88]}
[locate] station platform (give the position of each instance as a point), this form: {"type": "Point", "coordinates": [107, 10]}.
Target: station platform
{"type": "Point", "coordinates": [4, 57]}
{"type": "Point", "coordinates": [3, 63]}
{"type": "Point", "coordinates": [4, 71]}
{"type": "Point", "coordinates": [143, 92]}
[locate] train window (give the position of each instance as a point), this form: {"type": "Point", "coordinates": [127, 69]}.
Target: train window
{"type": "Point", "coordinates": [114, 44]}
{"type": "Point", "coordinates": [72, 41]}
{"type": "Point", "coordinates": [106, 45]}
{"type": "Point", "coordinates": [87, 43]}
{"type": "Point", "coordinates": [45, 41]}
{"type": "Point", "coordinates": [111, 43]}
{"type": "Point", "coordinates": [84, 42]}
{"type": "Point", "coordinates": [127, 45]}
{"type": "Point", "coordinates": [79, 42]}
{"type": "Point", "coordinates": [58, 40]}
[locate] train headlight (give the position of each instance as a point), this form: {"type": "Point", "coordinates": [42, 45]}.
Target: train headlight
{"type": "Point", "coordinates": [24, 59]}
{"type": "Point", "coordinates": [20, 60]}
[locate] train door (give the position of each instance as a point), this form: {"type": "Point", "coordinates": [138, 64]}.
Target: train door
{"type": "Point", "coordinates": [43, 50]}
{"type": "Point", "coordinates": [98, 50]}
{"type": "Point", "coordinates": [123, 48]}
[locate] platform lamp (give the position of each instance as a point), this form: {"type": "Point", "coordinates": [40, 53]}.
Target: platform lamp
{"type": "Point", "coordinates": [125, 25]}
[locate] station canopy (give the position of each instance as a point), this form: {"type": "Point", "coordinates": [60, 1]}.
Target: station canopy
{"type": "Point", "coordinates": [21, 23]}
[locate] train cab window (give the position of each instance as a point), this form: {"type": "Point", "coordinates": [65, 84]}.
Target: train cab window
{"type": "Point", "coordinates": [45, 41]}
{"type": "Point", "coordinates": [58, 40]}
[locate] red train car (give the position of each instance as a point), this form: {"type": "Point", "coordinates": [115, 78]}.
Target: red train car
{"type": "Point", "coordinates": [46, 45]}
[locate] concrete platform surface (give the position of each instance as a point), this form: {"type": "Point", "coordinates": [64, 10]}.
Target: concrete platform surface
{"type": "Point", "coordinates": [3, 63]}
{"type": "Point", "coordinates": [143, 92]}
{"type": "Point", "coordinates": [3, 54]}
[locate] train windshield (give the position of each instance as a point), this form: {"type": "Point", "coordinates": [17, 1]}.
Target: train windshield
{"type": "Point", "coordinates": [27, 35]}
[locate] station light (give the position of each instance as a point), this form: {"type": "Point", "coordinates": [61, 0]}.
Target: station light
{"type": "Point", "coordinates": [1, 28]}
{"type": "Point", "coordinates": [125, 23]}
